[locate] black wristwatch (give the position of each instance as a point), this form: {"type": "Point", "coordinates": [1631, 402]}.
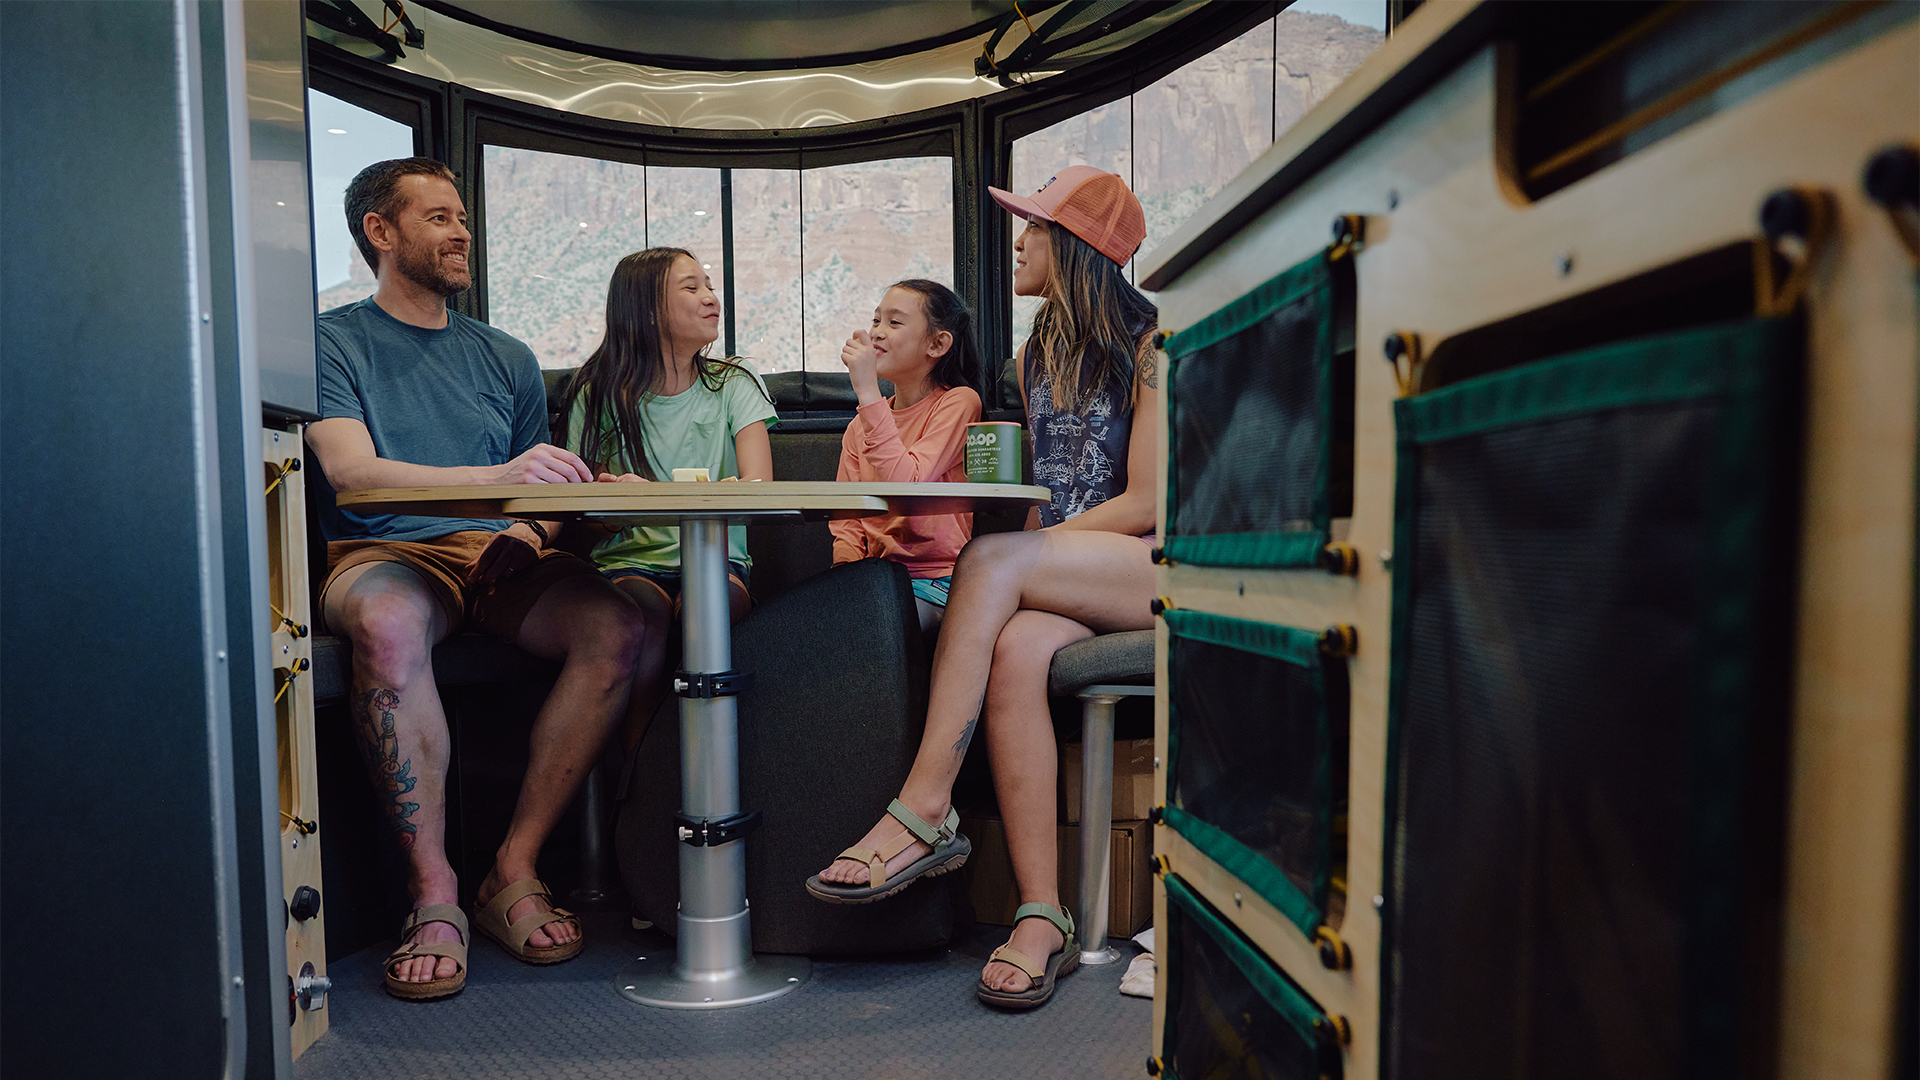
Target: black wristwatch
{"type": "Point", "coordinates": [538, 530]}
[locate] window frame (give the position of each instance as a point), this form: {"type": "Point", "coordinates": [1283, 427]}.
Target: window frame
{"type": "Point", "coordinates": [455, 124]}
{"type": "Point", "coordinates": [489, 120]}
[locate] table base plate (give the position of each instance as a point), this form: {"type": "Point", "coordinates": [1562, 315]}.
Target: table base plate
{"type": "Point", "coordinates": [650, 980]}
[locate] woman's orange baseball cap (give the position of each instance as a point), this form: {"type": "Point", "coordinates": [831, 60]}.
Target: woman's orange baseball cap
{"type": "Point", "coordinates": [1092, 205]}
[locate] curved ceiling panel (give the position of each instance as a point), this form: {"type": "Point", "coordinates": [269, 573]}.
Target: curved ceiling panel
{"type": "Point", "coordinates": [737, 34]}
{"type": "Point", "coordinates": [570, 80]}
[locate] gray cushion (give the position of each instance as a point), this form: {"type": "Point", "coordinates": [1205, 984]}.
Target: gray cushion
{"type": "Point", "coordinates": [828, 730]}
{"type": "Point", "coordinates": [788, 553]}
{"type": "Point", "coordinates": [1125, 658]}
{"type": "Point", "coordinates": [815, 391]}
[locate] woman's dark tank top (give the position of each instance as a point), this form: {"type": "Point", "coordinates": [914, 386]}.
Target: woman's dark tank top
{"type": "Point", "coordinates": [1082, 459]}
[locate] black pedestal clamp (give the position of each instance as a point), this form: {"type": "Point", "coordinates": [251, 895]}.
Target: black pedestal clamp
{"type": "Point", "coordinates": [706, 684]}
{"type": "Point", "coordinates": [712, 832]}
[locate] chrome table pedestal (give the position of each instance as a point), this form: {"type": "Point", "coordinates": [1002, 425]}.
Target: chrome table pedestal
{"type": "Point", "coordinates": [713, 965]}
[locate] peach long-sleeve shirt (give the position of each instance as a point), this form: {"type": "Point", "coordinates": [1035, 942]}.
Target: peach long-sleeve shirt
{"type": "Point", "coordinates": [923, 442]}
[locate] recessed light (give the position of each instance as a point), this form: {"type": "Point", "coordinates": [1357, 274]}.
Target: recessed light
{"type": "Point", "coordinates": [706, 266]}
{"type": "Point", "coordinates": [583, 224]}
{"type": "Point", "coordinates": [279, 204]}
{"type": "Point", "coordinates": [336, 131]}
{"type": "Point", "coordinates": [699, 213]}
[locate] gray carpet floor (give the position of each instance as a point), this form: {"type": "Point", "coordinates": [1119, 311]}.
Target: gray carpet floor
{"type": "Point", "coordinates": [887, 1019]}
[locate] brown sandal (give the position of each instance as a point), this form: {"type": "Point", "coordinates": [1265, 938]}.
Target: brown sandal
{"type": "Point", "coordinates": [410, 949]}
{"type": "Point", "coordinates": [492, 921]}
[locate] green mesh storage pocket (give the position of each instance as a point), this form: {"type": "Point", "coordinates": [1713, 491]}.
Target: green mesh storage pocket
{"type": "Point", "coordinates": [1231, 1014]}
{"type": "Point", "coordinates": [1260, 422]}
{"type": "Point", "coordinates": [1257, 750]}
{"type": "Point", "coordinates": [1591, 639]}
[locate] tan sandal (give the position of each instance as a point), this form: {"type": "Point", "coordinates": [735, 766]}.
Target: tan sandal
{"type": "Point", "coordinates": [492, 921]}
{"type": "Point", "coordinates": [1042, 977]}
{"type": "Point", "coordinates": [410, 949]}
{"type": "Point", "coordinates": [950, 851]}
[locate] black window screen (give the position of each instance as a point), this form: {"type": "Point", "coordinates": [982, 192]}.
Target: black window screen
{"type": "Point", "coordinates": [1260, 429]}
{"type": "Point", "coordinates": [1258, 749]}
{"type": "Point", "coordinates": [1591, 625]}
{"type": "Point", "coordinates": [1231, 1014]}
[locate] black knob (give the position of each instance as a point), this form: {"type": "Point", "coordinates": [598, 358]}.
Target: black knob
{"type": "Point", "coordinates": [305, 904]}
{"type": "Point", "coordinates": [1156, 606]}
{"type": "Point", "coordinates": [1893, 177]}
{"type": "Point", "coordinates": [1159, 555]}
{"type": "Point", "coordinates": [1349, 229]}
{"type": "Point", "coordinates": [1785, 213]}
{"type": "Point", "coordinates": [1396, 346]}
{"type": "Point", "coordinates": [1153, 1066]}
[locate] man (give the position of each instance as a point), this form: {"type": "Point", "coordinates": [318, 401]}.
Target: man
{"type": "Point", "coordinates": [414, 395]}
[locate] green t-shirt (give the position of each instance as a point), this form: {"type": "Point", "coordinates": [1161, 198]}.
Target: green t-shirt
{"type": "Point", "coordinates": [693, 429]}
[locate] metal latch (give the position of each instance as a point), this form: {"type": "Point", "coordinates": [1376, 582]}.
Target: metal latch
{"type": "Point", "coordinates": [706, 684]}
{"type": "Point", "coordinates": [310, 988]}
{"type": "Point", "coordinates": [712, 832]}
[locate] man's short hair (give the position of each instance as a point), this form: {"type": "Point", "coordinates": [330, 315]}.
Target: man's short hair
{"type": "Point", "coordinates": [377, 191]}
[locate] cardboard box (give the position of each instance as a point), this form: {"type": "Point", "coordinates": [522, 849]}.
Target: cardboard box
{"type": "Point", "coordinates": [1129, 881]}
{"type": "Point", "coordinates": [1132, 780]}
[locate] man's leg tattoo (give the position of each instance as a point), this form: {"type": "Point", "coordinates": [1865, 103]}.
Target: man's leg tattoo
{"type": "Point", "coordinates": [381, 744]}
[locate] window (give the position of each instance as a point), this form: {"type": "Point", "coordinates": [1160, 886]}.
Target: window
{"type": "Point", "coordinates": [1180, 140]}
{"type": "Point", "coordinates": [864, 227]}
{"type": "Point", "coordinates": [557, 224]}
{"type": "Point", "coordinates": [766, 268]}
{"type": "Point", "coordinates": [555, 227]}
{"type": "Point", "coordinates": [342, 139]}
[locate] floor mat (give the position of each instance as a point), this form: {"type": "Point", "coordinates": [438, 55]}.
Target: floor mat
{"type": "Point", "coordinates": [870, 1019]}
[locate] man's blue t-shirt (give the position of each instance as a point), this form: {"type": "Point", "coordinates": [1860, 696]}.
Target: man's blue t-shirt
{"type": "Point", "coordinates": [465, 394]}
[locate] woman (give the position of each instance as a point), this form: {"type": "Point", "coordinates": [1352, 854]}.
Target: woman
{"type": "Point", "coordinates": [1082, 568]}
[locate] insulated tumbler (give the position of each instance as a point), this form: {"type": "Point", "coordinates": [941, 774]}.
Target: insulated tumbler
{"type": "Point", "coordinates": [993, 453]}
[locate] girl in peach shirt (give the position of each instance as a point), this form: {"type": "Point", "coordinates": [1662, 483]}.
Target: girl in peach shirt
{"type": "Point", "coordinates": [922, 341]}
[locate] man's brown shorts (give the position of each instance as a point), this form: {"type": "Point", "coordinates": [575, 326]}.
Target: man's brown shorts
{"type": "Point", "coordinates": [498, 607]}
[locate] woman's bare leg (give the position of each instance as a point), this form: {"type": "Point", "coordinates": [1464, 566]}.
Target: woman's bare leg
{"type": "Point", "coordinates": [1021, 747]}
{"type": "Point", "coordinates": [1103, 581]}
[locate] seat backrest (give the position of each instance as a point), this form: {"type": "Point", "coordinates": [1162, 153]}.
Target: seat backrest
{"type": "Point", "coordinates": [785, 555]}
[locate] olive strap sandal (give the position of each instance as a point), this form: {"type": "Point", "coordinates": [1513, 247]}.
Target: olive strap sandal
{"type": "Point", "coordinates": [1042, 976]}
{"type": "Point", "coordinates": [410, 949]}
{"type": "Point", "coordinates": [492, 921]}
{"type": "Point", "coordinates": [950, 851]}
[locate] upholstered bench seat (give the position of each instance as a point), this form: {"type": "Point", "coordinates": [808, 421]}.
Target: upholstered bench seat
{"type": "Point", "coordinates": [462, 659]}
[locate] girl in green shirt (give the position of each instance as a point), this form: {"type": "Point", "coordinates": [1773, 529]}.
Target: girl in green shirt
{"type": "Point", "coordinates": [658, 402]}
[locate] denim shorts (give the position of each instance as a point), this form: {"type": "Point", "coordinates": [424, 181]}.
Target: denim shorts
{"type": "Point", "coordinates": [933, 589]}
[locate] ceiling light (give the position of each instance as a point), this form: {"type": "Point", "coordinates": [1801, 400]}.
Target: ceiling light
{"type": "Point", "coordinates": [279, 204]}
{"type": "Point", "coordinates": [699, 213]}
{"type": "Point", "coordinates": [583, 224]}
{"type": "Point", "coordinates": [706, 266]}
{"type": "Point", "coordinates": [336, 131]}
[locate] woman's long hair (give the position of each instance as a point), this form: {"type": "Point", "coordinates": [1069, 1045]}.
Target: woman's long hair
{"type": "Point", "coordinates": [1087, 335]}
{"type": "Point", "coordinates": [946, 311]}
{"type": "Point", "coordinates": [629, 364]}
